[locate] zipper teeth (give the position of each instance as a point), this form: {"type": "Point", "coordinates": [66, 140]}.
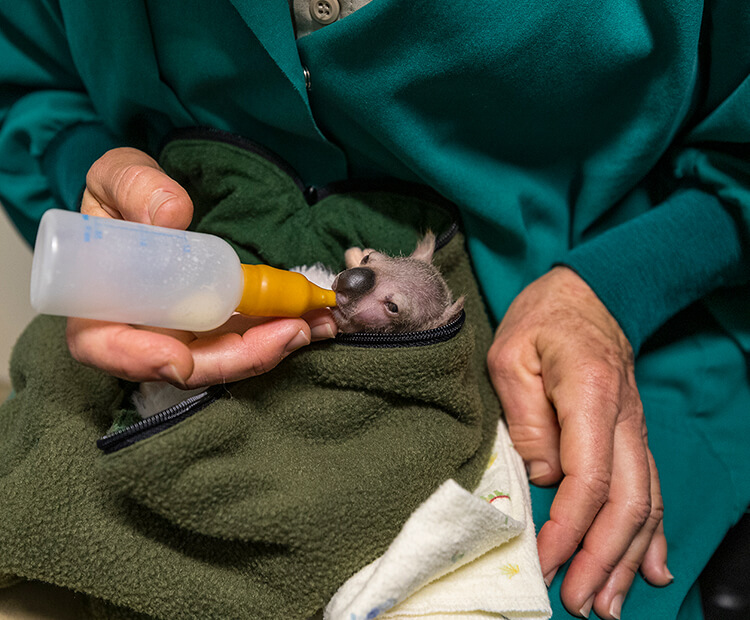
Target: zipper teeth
{"type": "Point", "coordinates": [190, 405]}
{"type": "Point", "coordinates": [446, 235]}
{"type": "Point", "coordinates": [408, 339]}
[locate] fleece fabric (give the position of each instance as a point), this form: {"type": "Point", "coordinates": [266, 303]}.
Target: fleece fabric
{"type": "Point", "coordinates": [264, 497]}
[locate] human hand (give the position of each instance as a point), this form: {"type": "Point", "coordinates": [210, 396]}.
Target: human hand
{"type": "Point", "coordinates": [128, 184]}
{"type": "Point", "coordinates": [563, 370]}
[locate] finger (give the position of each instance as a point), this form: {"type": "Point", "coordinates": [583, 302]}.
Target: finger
{"type": "Point", "coordinates": [235, 324]}
{"type": "Point", "coordinates": [515, 371]}
{"type": "Point", "coordinates": [231, 356]}
{"type": "Point", "coordinates": [619, 534]}
{"type": "Point", "coordinates": [587, 404]}
{"type": "Point", "coordinates": [322, 325]}
{"type": "Point", "coordinates": [129, 353]}
{"type": "Point", "coordinates": [608, 602]}
{"type": "Point", "coordinates": [654, 566]}
{"type": "Point", "coordinates": [90, 205]}
{"type": "Point", "coordinates": [129, 184]}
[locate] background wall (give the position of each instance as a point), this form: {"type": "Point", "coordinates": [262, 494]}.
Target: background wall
{"type": "Point", "coordinates": [15, 309]}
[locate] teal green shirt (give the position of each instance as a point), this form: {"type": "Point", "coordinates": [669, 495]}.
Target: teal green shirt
{"type": "Point", "coordinates": [547, 124]}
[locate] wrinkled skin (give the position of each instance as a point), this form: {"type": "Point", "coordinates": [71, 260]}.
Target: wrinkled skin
{"type": "Point", "coordinates": [565, 374]}
{"type": "Point", "coordinates": [379, 293]}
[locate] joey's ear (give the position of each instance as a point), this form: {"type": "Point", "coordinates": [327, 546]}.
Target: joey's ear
{"type": "Point", "coordinates": [451, 312]}
{"type": "Point", "coordinates": [425, 248]}
{"type": "Point", "coordinates": [353, 256]}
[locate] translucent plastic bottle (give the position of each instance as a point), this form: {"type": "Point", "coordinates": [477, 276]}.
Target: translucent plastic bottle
{"type": "Point", "coordinates": [112, 270]}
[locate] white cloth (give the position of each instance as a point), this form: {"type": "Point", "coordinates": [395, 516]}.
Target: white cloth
{"type": "Point", "coordinates": [461, 555]}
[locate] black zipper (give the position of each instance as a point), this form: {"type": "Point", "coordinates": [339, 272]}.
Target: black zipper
{"type": "Point", "coordinates": [378, 340]}
{"type": "Point", "coordinates": [158, 422]}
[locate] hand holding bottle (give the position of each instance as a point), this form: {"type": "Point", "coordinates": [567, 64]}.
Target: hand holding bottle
{"type": "Point", "coordinates": [127, 184]}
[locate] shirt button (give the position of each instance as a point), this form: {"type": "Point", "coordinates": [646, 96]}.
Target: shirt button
{"type": "Point", "coordinates": [324, 11]}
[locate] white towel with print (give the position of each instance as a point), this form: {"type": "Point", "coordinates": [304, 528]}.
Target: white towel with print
{"type": "Point", "coordinates": [461, 555]}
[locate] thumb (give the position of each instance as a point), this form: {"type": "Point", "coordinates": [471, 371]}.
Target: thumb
{"type": "Point", "coordinates": [532, 421]}
{"type": "Point", "coordinates": [128, 184]}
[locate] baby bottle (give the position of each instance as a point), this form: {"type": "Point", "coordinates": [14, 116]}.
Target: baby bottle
{"type": "Point", "coordinates": [113, 270]}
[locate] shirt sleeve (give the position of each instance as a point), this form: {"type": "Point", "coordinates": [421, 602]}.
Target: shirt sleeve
{"type": "Point", "coordinates": [50, 133]}
{"type": "Point", "coordinates": [649, 268]}
{"type": "Point", "coordinates": [696, 244]}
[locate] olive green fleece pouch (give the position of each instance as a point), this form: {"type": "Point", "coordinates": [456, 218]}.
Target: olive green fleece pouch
{"type": "Point", "coordinates": [256, 499]}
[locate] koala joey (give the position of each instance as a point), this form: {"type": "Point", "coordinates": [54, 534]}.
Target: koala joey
{"type": "Point", "coordinates": [379, 293]}
{"type": "Point", "coordinates": [376, 293]}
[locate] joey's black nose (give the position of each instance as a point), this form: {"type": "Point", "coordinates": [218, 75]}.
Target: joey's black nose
{"type": "Point", "coordinates": [355, 282]}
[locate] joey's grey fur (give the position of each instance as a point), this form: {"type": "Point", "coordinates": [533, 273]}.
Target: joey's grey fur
{"type": "Point", "coordinates": [379, 293]}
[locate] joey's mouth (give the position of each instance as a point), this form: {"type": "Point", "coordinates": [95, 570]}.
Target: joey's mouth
{"type": "Point", "coordinates": [345, 319]}
{"type": "Point", "coordinates": [343, 308]}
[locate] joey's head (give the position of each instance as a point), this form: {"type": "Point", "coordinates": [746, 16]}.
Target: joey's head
{"type": "Point", "coordinates": [393, 294]}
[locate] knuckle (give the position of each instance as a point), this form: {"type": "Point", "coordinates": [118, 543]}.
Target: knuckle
{"type": "Point", "coordinates": [573, 530]}
{"type": "Point", "coordinates": [97, 168]}
{"type": "Point", "coordinates": [601, 375]}
{"type": "Point", "coordinates": [630, 565]}
{"type": "Point", "coordinates": [640, 510]}
{"type": "Point", "coordinates": [596, 485]}
{"type": "Point", "coordinates": [260, 365]}
{"type": "Point", "coordinates": [656, 514]}
{"type": "Point", "coordinates": [131, 178]}
{"type": "Point", "coordinates": [107, 161]}
{"type": "Point", "coordinates": [524, 433]}
{"type": "Point", "coordinates": [503, 359]}
{"type": "Point", "coordinates": [258, 361]}
{"type": "Point", "coordinates": [608, 564]}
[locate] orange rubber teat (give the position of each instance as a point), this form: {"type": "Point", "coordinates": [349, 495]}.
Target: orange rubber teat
{"type": "Point", "coordinates": [275, 292]}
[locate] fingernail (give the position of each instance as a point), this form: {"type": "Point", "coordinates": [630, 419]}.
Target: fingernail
{"type": "Point", "coordinates": [615, 607]}
{"type": "Point", "coordinates": [300, 340]}
{"type": "Point", "coordinates": [170, 374]}
{"type": "Point", "coordinates": [321, 331]}
{"type": "Point", "coordinates": [537, 469]}
{"type": "Point", "coordinates": [550, 576]}
{"type": "Point", "coordinates": [586, 609]}
{"type": "Point", "coordinates": [668, 574]}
